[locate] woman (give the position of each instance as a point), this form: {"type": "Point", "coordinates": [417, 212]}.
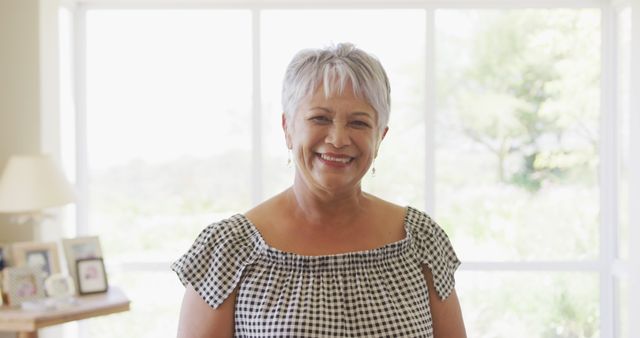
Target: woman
{"type": "Point", "coordinates": [323, 258]}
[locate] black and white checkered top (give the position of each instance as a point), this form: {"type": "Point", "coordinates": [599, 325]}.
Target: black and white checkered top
{"type": "Point", "coordinates": [375, 293]}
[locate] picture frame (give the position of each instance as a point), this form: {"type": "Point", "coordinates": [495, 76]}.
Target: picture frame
{"type": "Point", "coordinates": [41, 255]}
{"type": "Point", "coordinates": [5, 255]}
{"type": "Point", "coordinates": [59, 286]}
{"type": "Point", "coordinates": [80, 248]}
{"type": "Point", "coordinates": [22, 284]}
{"type": "Point", "coordinates": [92, 277]}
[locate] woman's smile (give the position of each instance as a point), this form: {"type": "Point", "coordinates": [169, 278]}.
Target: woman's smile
{"type": "Point", "coordinates": [335, 160]}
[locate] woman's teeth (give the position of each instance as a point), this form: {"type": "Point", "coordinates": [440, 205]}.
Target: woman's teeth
{"type": "Point", "coordinates": [344, 160]}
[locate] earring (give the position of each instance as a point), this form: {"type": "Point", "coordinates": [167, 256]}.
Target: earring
{"type": "Point", "coordinates": [373, 168]}
{"type": "Point", "coordinates": [289, 159]}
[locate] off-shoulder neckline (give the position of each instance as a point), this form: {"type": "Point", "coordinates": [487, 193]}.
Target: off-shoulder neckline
{"type": "Point", "coordinates": [389, 248]}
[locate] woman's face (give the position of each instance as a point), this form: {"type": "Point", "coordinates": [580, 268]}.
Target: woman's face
{"type": "Point", "coordinates": [333, 139]}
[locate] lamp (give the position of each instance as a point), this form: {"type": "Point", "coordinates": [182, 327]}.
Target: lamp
{"type": "Point", "coordinates": [31, 183]}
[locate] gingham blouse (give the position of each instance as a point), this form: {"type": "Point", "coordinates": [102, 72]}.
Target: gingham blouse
{"type": "Point", "coordinates": [374, 293]}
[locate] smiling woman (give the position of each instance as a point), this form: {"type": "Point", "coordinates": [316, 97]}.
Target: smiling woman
{"type": "Point", "coordinates": [501, 128]}
{"type": "Point", "coordinates": [334, 136]}
{"type": "Point", "coordinates": [323, 258]}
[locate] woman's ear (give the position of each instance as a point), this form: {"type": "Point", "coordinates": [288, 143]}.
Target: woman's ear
{"type": "Point", "coordinates": [384, 133]}
{"type": "Point", "coordinates": [285, 128]}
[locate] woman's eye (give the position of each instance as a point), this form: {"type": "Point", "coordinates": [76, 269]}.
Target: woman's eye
{"type": "Point", "coordinates": [360, 124]}
{"type": "Point", "coordinates": [320, 119]}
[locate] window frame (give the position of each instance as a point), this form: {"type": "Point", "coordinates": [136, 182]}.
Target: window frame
{"type": "Point", "coordinates": [608, 265]}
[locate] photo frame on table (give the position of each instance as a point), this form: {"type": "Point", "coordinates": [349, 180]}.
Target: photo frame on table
{"type": "Point", "coordinates": [80, 248]}
{"type": "Point", "coordinates": [41, 255]}
{"type": "Point", "coordinates": [5, 255]}
{"type": "Point", "coordinates": [59, 286]}
{"type": "Point", "coordinates": [23, 283]}
{"type": "Point", "coordinates": [92, 277]}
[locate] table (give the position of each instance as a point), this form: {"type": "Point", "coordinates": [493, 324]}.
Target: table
{"type": "Point", "coordinates": [26, 323]}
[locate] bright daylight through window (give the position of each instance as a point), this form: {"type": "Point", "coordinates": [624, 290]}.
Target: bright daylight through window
{"type": "Point", "coordinates": [514, 96]}
{"type": "Point", "coordinates": [516, 151]}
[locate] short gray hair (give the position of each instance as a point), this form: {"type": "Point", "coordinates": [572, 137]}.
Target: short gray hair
{"type": "Point", "coordinates": [334, 67]}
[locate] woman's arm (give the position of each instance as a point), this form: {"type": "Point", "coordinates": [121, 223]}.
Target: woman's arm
{"type": "Point", "coordinates": [198, 319]}
{"type": "Point", "coordinates": [446, 314]}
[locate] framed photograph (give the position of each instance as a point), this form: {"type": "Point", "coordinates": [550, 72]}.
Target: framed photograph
{"type": "Point", "coordinates": [23, 283]}
{"type": "Point", "coordinates": [42, 256]}
{"type": "Point", "coordinates": [5, 255]}
{"type": "Point", "coordinates": [80, 248]}
{"type": "Point", "coordinates": [59, 286]}
{"type": "Point", "coordinates": [92, 278]}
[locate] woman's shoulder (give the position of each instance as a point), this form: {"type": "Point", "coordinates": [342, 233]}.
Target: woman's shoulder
{"type": "Point", "coordinates": [419, 221]}
{"type": "Point", "coordinates": [265, 212]}
{"type": "Point", "coordinates": [214, 262]}
{"type": "Point", "coordinates": [432, 248]}
{"type": "Point", "coordinates": [383, 207]}
{"type": "Point", "coordinates": [227, 234]}
{"type": "Point", "coordinates": [414, 220]}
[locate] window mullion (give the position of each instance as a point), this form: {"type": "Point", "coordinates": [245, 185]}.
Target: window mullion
{"type": "Point", "coordinates": [430, 104]}
{"type": "Point", "coordinates": [529, 266]}
{"type": "Point", "coordinates": [634, 175]}
{"type": "Point", "coordinates": [83, 227]}
{"type": "Point", "coordinates": [608, 150]}
{"type": "Point", "coordinates": [80, 100]}
{"type": "Point", "coordinates": [256, 112]}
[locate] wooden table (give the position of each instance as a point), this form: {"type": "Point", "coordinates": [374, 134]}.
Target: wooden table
{"type": "Point", "coordinates": [26, 323]}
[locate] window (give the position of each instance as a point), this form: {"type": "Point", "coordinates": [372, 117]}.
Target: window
{"type": "Point", "coordinates": [168, 105]}
{"type": "Point", "coordinates": [516, 151]}
{"type": "Point", "coordinates": [496, 129]}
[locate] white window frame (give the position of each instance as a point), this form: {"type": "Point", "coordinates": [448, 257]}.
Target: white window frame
{"type": "Point", "coordinates": [633, 269]}
{"type": "Point", "coordinates": [608, 266]}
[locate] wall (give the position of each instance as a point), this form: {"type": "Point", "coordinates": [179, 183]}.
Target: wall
{"type": "Point", "coordinates": [27, 89]}
{"type": "Point", "coordinates": [19, 91]}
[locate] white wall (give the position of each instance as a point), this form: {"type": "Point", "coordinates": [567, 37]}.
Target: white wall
{"type": "Point", "coordinates": [28, 82]}
{"type": "Point", "coordinates": [19, 91]}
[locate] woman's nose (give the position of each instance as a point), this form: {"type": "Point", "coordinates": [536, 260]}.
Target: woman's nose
{"type": "Point", "coordinates": [338, 136]}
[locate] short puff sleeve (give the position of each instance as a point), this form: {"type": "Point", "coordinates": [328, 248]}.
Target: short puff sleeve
{"type": "Point", "coordinates": [215, 262]}
{"type": "Point", "coordinates": [431, 247]}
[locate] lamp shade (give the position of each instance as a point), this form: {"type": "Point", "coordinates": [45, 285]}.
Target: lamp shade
{"type": "Point", "coordinates": [33, 182]}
